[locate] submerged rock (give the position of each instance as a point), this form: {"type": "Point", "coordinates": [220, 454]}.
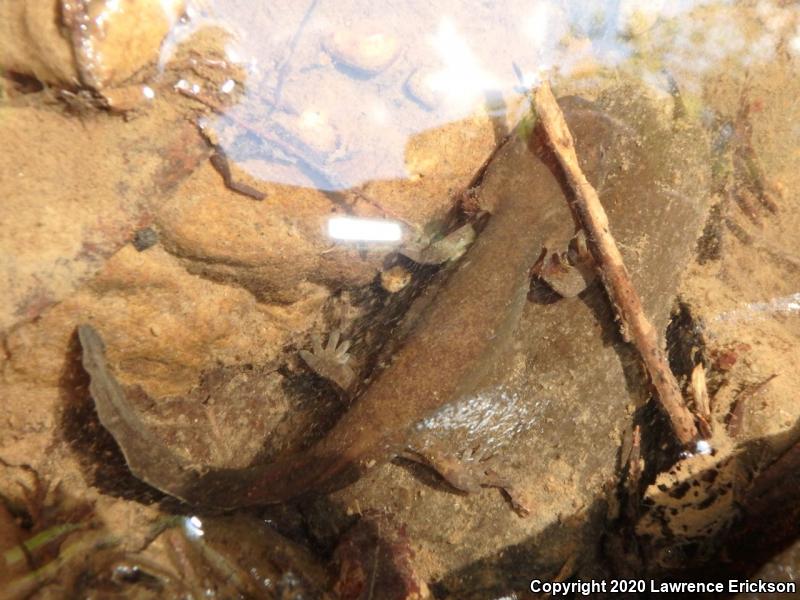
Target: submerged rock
{"type": "Point", "coordinates": [369, 53]}
{"type": "Point", "coordinates": [96, 43]}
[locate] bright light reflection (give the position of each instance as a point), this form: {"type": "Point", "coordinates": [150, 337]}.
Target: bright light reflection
{"type": "Point", "coordinates": [311, 119]}
{"type": "Point", "coordinates": [784, 304]}
{"type": "Point", "coordinates": [703, 447]}
{"type": "Point", "coordinates": [379, 113]}
{"type": "Point", "coordinates": [109, 8]}
{"type": "Point", "coordinates": [794, 45]}
{"type": "Point", "coordinates": [193, 527]}
{"type": "Point", "coordinates": [364, 230]}
{"type": "Point", "coordinates": [463, 80]}
{"type": "Point", "coordinates": [538, 25]}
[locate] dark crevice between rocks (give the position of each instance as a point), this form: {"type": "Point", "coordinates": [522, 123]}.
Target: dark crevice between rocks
{"type": "Point", "coordinates": [100, 457]}
{"type": "Point", "coordinates": [23, 84]}
{"type": "Point", "coordinates": [315, 406]}
{"type": "Point", "coordinates": [686, 346]}
{"type": "Point", "coordinates": [390, 317]}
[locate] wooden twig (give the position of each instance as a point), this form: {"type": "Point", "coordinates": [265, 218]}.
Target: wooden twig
{"type": "Point", "coordinates": [702, 401]}
{"type": "Point", "coordinates": [635, 326]}
{"type": "Point", "coordinates": [632, 483]}
{"type": "Point", "coordinates": [219, 160]}
{"type": "Point", "coordinates": [635, 461]}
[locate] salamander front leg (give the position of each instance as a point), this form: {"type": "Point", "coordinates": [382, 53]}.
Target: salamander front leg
{"type": "Point", "coordinates": [330, 362]}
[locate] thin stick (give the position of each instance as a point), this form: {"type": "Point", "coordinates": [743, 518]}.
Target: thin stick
{"type": "Point", "coordinates": [634, 325]}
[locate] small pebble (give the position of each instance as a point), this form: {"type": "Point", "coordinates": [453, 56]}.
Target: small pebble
{"type": "Point", "coordinates": [568, 282]}
{"type": "Point", "coordinates": [145, 238]}
{"type": "Point", "coordinates": [313, 129]}
{"type": "Point", "coordinates": [127, 98]}
{"type": "Point", "coordinates": [369, 54]}
{"type": "Point", "coordinates": [395, 279]}
{"type": "Point", "coordinates": [418, 88]}
{"type": "Point", "coordinates": [317, 132]}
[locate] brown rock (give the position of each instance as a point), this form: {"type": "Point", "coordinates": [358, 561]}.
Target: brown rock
{"type": "Point", "coordinates": [80, 191]}
{"type": "Point", "coordinates": [31, 42]}
{"type": "Point", "coordinates": [98, 45]}
{"type": "Point", "coordinates": [230, 238]}
{"type": "Point", "coordinates": [376, 554]}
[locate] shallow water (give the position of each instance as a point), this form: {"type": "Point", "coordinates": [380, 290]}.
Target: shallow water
{"type": "Point", "coordinates": [362, 128]}
{"type": "Point", "coordinates": [345, 125]}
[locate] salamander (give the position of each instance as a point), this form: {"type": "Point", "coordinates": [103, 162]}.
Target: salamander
{"type": "Point", "coordinates": [470, 321]}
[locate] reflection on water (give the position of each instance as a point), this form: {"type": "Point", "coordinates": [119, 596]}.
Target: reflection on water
{"type": "Point", "coordinates": [364, 230]}
{"type": "Point", "coordinates": [192, 527]}
{"type": "Point", "coordinates": [334, 92]}
{"type": "Point", "coordinates": [755, 310]}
